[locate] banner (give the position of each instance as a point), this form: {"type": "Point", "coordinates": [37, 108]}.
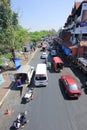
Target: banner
{"type": "Point", "coordinates": [1, 79]}
{"type": "Point", "coordinates": [84, 15]}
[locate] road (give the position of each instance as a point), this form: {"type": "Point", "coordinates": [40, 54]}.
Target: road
{"type": "Point", "coordinates": [50, 109]}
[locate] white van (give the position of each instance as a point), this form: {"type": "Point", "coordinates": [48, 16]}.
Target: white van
{"type": "Point", "coordinates": [24, 75]}
{"type": "Point", "coordinates": [41, 78]}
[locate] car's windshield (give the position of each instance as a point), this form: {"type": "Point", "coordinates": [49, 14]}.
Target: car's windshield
{"type": "Point", "coordinates": [73, 87]}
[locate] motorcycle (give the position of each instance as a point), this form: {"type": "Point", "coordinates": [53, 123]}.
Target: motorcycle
{"type": "Point", "coordinates": [20, 121]}
{"type": "Point", "coordinates": [28, 96]}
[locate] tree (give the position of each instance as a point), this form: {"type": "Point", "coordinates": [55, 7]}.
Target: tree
{"type": "Point", "coordinates": [9, 22]}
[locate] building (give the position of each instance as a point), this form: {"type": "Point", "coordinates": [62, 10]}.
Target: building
{"type": "Point", "coordinates": [74, 33]}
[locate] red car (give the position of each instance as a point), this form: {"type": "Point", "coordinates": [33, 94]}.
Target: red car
{"type": "Point", "coordinates": [71, 87]}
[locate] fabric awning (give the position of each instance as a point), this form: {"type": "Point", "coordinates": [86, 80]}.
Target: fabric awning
{"type": "Point", "coordinates": [66, 50]}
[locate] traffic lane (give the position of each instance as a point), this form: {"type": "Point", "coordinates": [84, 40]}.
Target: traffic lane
{"type": "Point", "coordinates": [71, 106]}
{"type": "Point", "coordinates": [76, 108]}
{"type": "Point", "coordinates": [65, 113]}
{"type": "Point", "coordinates": [48, 107]}
{"type": "Point", "coordinates": [48, 111]}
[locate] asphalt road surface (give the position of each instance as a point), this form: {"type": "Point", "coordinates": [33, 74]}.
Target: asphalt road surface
{"type": "Point", "coordinates": [50, 109]}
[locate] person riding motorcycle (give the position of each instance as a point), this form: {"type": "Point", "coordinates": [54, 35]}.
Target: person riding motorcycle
{"type": "Point", "coordinates": [17, 124]}
{"type": "Point", "coordinates": [21, 120]}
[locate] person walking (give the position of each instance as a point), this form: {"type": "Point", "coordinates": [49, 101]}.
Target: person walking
{"type": "Point", "coordinates": [21, 90]}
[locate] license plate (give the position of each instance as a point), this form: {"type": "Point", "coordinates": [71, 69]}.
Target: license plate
{"type": "Point", "coordinates": [41, 83]}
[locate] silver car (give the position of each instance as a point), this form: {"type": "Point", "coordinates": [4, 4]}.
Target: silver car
{"type": "Point", "coordinates": [44, 55]}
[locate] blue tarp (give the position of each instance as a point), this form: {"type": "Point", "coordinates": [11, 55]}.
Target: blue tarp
{"type": "Point", "coordinates": [1, 79]}
{"type": "Point", "coordinates": [66, 50]}
{"type": "Point", "coordinates": [17, 63]}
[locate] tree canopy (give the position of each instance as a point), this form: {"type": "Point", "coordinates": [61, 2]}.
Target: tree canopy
{"type": "Point", "coordinates": [14, 35]}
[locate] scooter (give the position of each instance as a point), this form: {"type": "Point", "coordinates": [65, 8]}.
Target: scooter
{"type": "Point", "coordinates": [28, 96]}
{"type": "Point", "coordinates": [20, 121]}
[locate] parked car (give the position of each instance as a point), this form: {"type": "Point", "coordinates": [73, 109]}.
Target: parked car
{"type": "Point", "coordinates": [44, 55]}
{"type": "Point", "coordinates": [53, 53]}
{"type": "Point", "coordinates": [71, 87]}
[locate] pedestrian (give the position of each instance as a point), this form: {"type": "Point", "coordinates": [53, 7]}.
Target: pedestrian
{"type": "Point", "coordinates": [19, 81]}
{"type": "Point", "coordinates": [21, 90]}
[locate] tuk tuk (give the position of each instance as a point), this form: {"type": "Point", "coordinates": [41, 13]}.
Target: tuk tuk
{"type": "Point", "coordinates": [44, 47]}
{"type": "Point", "coordinates": [24, 75]}
{"type": "Point", "coordinates": [58, 64]}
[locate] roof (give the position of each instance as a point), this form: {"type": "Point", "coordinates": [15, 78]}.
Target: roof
{"type": "Point", "coordinates": [70, 79]}
{"type": "Point", "coordinates": [41, 68]}
{"type": "Point", "coordinates": [76, 6]}
{"type": "Point", "coordinates": [24, 69]}
{"type": "Point", "coordinates": [58, 60]}
{"type": "Point", "coordinates": [44, 45]}
{"type": "Point", "coordinates": [82, 60]}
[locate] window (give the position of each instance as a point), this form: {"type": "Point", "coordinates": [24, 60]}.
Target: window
{"type": "Point", "coordinates": [73, 87]}
{"type": "Point", "coordinates": [40, 78]}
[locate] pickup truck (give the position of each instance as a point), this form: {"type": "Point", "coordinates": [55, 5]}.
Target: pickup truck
{"type": "Point", "coordinates": [24, 75]}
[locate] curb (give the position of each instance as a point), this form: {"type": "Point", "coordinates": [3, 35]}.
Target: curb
{"type": "Point", "coordinates": [13, 83]}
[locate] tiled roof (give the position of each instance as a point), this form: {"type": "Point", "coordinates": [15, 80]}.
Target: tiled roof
{"type": "Point", "coordinates": [85, 0]}
{"type": "Point", "coordinates": [76, 6]}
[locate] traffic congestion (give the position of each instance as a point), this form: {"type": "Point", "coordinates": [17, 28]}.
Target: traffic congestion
{"type": "Point", "coordinates": [43, 65]}
{"type": "Point", "coordinates": [62, 93]}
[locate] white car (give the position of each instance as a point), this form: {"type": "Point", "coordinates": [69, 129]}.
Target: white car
{"type": "Point", "coordinates": [53, 53]}
{"type": "Point", "coordinates": [44, 55]}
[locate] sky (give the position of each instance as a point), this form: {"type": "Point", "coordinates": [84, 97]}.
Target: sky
{"type": "Point", "coordinates": [38, 15]}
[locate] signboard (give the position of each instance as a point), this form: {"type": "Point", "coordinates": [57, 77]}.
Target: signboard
{"type": "Point", "coordinates": [1, 79]}
{"type": "Point", "coordinates": [84, 15]}
{"type": "Point", "coordinates": [66, 50]}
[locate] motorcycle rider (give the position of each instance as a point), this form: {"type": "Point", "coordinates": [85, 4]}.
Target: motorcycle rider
{"type": "Point", "coordinates": [17, 124]}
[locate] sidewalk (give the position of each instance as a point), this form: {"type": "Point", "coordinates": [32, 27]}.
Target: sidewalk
{"type": "Point", "coordinates": [5, 87]}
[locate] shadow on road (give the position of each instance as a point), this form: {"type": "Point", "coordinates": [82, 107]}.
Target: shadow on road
{"type": "Point", "coordinates": [65, 96]}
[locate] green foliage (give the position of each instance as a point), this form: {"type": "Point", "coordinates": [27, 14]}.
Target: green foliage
{"type": "Point", "coordinates": [21, 37]}
{"type": "Point", "coordinates": [35, 36]}
{"type": "Point", "coordinates": [6, 25]}
{"type": "Point", "coordinates": [14, 35]}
